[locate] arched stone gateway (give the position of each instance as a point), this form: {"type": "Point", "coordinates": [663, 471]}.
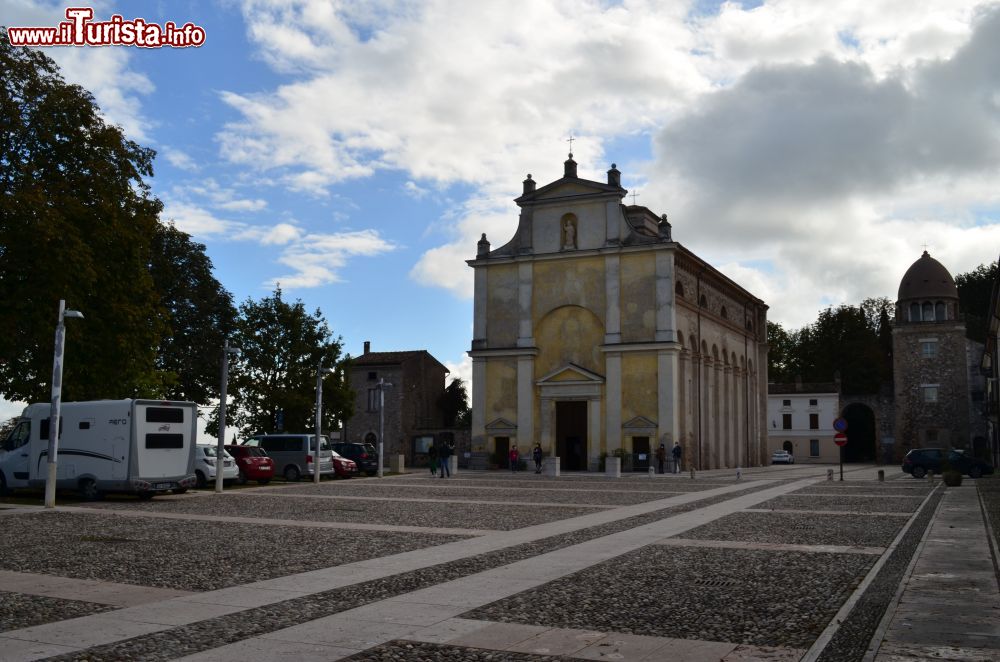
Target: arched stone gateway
{"type": "Point", "coordinates": [861, 433]}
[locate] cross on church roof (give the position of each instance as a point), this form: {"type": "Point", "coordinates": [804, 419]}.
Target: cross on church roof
{"type": "Point", "coordinates": [570, 141]}
{"type": "Point", "coordinates": [634, 196]}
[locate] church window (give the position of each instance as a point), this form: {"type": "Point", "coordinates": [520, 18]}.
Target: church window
{"type": "Point", "coordinates": [372, 376]}
{"type": "Point", "coordinates": [786, 403]}
{"type": "Point", "coordinates": [679, 289]}
{"type": "Point", "coordinates": [723, 313]}
{"type": "Point", "coordinates": [930, 392]}
{"type": "Point", "coordinates": [928, 349]}
{"type": "Point", "coordinates": [786, 421]}
{"type": "Point", "coordinates": [928, 311]}
{"type": "Point", "coordinates": [814, 421]}
{"type": "Point", "coordinates": [373, 399]}
{"type": "Point", "coordinates": [703, 302]}
{"type": "Point", "coordinates": [939, 312]}
{"type": "Point", "coordinates": [914, 312]}
{"type": "Point", "coordinates": [814, 448]}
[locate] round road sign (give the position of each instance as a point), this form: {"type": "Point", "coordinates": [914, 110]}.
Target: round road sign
{"type": "Point", "coordinates": [840, 439]}
{"type": "Point", "coordinates": [840, 424]}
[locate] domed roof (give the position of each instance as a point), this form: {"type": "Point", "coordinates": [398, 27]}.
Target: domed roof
{"type": "Point", "coordinates": [927, 279]}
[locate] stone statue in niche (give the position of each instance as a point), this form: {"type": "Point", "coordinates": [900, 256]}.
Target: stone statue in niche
{"type": "Point", "coordinates": [569, 233]}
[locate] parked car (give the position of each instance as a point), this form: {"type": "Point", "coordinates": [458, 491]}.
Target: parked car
{"type": "Point", "coordinates": [293, 453]}
{"type": "Point", "coordinates": [206, 463]}
{"type": "Point", "coordinates": [344, 467]}
{"type": "Point", "coordinates": [921, 460]}
{"type": "Point", "coordinates": [782, 457]}
{"type": "Point", "coordinates": [364, 455]}
{"type": "Point", "coordinates": [253, 464]}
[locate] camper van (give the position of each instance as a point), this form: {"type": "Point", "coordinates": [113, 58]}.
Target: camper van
{"type": "Point", "coordinates": [142, 447]}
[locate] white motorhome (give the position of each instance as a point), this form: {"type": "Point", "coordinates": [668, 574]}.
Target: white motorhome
{"type": "Point", "coordinates": [142, 447]}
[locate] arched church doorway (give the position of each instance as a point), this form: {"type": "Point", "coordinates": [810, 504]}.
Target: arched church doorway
{"type": "Point", "coordinates": [860, 433]}
{"type": "Point", "coordinates": [571, 434]}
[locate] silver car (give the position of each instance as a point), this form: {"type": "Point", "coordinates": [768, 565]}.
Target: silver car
{"type": "Point", "coordinates": [293, 454]}
{"type": "Point", "coordinates": [782, 457]}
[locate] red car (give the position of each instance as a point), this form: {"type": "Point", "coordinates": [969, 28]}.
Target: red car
{"type": "Point", "coordinates": [253, 463]}
{"type": "Point", "coordinates": [344, 467]}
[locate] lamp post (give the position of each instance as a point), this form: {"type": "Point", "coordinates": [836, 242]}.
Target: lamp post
{"type": "Point", "coordinates": [382, 385]}
{"type": "Point", "coordinates": [57, 371]}
{"type": "Point", "coordinates": [220, 452]}
{"type": "Point", "coordinates": [320, 371]}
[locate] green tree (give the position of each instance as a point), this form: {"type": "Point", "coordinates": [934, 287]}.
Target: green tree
{"type": "Point", "coordinates": [75, 221]}
{"type": "Point", "coordinates": [201, 315]}
{"type": "Point", "coordinates": [281, 348]}
{"type": "Point", "coordinates": [842, 342]}
{"type": "Point", "coordinates": [974, 290]}
{"type": "Point", "coordinates": [781, 357]}
{"type": "Point", "coordinates": [454, 405]}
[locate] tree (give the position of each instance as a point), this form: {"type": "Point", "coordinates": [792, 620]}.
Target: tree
{"type": "Point", "coordinates": [201, 315]}
{"type": "Point", "coordinates": [781, 347]}
{"type": "Point", "coordinates": [76, 219]}
{"type": "Point", "coordinates": [974, 291]}
{"type": "Point", "coordinates": [281, 348]}
{"type": "Point", "coordinates": [841, 342]}
{"type": "Point", "coordinates": [454, 405]}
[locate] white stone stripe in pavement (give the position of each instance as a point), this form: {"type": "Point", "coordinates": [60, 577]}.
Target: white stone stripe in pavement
{"type": "Point", "coordinates": [802, 511]}
{"type": "Point", "coordinates": [771, 546]}
{"type": "Point", "coordinates": [436, 500]}
{"type": "Point", "coordinates": [411, 614]}
{"type": "Point", "coordinates": [87, 590]}
{"type": "Point", "coordinates": [89, 631]}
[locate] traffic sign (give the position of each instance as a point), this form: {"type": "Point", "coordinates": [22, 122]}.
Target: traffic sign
{"type": "Point", "coordinates": [840, 439]}
{"type": "Point", "coordinates": [840, 424]}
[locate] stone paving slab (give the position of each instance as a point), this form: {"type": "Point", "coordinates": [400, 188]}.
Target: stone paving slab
{"type": "Point", "coordinates": [85, 590]}
{"type": "Point", "coordinates": [251, 650]}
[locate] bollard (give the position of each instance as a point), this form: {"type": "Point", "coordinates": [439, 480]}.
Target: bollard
{"type": "Point", "coordinates": [652, 472]}
{"type": "Point", "coordinates": [692, 473]}
{"type": "Point", "coordinates": [881, 475]}
{"type": "Point", "coordinates": [397, 463]}
{"type": "Point", "coordinates": [829, 474]}
{"type": "Point", "coordinates": [739, 473]}
{"type": "Point", "coordinates": [930, 477]}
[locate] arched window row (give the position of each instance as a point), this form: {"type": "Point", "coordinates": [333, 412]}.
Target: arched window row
{"type": "Point", "coordinates": [928, 311]}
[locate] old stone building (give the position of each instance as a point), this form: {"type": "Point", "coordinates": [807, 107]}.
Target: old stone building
{"type": "Point", "coordinates": [412, 419]}
{"type": "Point", "coordinates": [595, 332]}
{"type": "Point", "coordinates": [938, 386]}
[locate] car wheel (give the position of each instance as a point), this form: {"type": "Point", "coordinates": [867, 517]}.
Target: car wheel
{"type": "Point", "coordinates": [292, 474]}
{"type": "Point", "coordinates": [180, 490]}
{"type": "Point", "coordinates": [3, 486]}
{"type": "Point", "coordinates": [88, 490]}
{"type": "Point", "coordinates": [919, 472]}
{"type": "Point", "coordinates": [241, 478]}
{"type": "Point", "coordinates": [263, 481]}
{"type": "Point", "coordinates": [975, 472]}
{"type": "Point", "coordinates": [199, 480]}
{"type": "Point", "coordinates": [145, 496]}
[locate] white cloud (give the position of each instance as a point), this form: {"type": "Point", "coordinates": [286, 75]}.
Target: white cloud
{"type": "Point", "coordinates": [317, 259]}
{"type": "Point", "coordinates": [243, 205]}
{"type": "Point", "coordinates": [179, 159]}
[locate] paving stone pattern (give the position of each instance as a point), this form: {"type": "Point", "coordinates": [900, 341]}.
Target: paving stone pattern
{"type": "Point", "coordinates": [918, 488]}
{"type": "Point", "coordinates": [521, 481]}
{"type": "Point", "coordinates": [734, 595]}
{"type": "Point", "coordinates": [450, 514]}
{"type": "Point", "coordinates": [179, 554]}
{"type": "Point", "coordinates": [789, 528]}
{"type": "Point", "coordinates": [578, 496]}
{"type": "Point", "coordinates": [18, 610]}
{"type": "Point", "coordinates": [214, 632]}
{"type": "Point", "coordinates": [851, 503]}
{"type": "Point", "coordinates": [411, 651]}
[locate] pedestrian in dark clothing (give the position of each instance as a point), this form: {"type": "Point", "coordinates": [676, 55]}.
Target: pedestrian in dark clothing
{"type": "Point", "coordinates": [445, 454]}
{"type": "Point", "coordinates": [432, 459]}
{"type": "Point", "coordinates": [513, 458]}
{"type": "Point", "coordinates": [677, 452]}
{"type": "Point", "coordinates": [661, 458]}
{"type": "Point", "coordinates": [536, 455]}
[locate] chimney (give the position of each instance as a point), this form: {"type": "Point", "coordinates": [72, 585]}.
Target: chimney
{"type": "Point", "coordinates": [529, 185]}
{"type": "Point", "coordinates": [569, 167]}
{"type": "Point", "coordinates": [368, 346]}
{"type": "Point", "coordinates": [614, 176]}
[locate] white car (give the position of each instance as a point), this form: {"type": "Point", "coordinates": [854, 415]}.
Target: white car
{"type": "Point", "coordinates": [782, 457]}
{"type": "Point", "coordinates": [205, 462]}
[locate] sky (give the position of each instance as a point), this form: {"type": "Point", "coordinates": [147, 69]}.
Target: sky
{"type": "Point", "coordinates": [354, 151]}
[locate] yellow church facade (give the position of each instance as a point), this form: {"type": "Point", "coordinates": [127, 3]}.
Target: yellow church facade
{"type": "Point", "coordinates": [596, 333]}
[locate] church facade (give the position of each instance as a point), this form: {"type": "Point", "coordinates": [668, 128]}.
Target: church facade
{"type": "Point", "coordinates": [596, 333]}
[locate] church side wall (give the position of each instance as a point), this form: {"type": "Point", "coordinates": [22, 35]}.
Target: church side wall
{"type": "Point", "coordinates": [638, 294]}
{"type": "Point", "coordinates": [501, 306]}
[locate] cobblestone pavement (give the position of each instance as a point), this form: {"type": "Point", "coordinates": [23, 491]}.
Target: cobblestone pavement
{"type": "Point", "coordinates": [782, 565]}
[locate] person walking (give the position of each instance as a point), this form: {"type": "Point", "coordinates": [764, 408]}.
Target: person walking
{"type": "Point", "coordinates": [432, 458]}
{"type": "Point", "coordinates": [677, 452]}
{"type": "Point", "coordinates": [661, 458]}
{"type": "Point", "coordinates": [445, 457]}
{"type": "Point", "coordinates": [536, 455]}
{"type": "Point", "coordinates": [513, 455]}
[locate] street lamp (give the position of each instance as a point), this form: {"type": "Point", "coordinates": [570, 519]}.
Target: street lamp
{"type": "Point", "coordinates": [220, 452]}
{"type": "Point", "coordinates": [381, 386]}
{"type": "Point", "coordinates": [320, 371]}
{"type": "Point", "coordinates": [57, 372]}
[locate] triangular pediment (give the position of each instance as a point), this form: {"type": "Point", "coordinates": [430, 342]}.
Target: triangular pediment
{"type": "Point", "coordinates": [501, 424]}
{"type": "Point", "coordinates": [639, 423]}
{"type": "Point", "coordinates": [570, 187]}
{"type": "Point", "coordinates": [571, 373]}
